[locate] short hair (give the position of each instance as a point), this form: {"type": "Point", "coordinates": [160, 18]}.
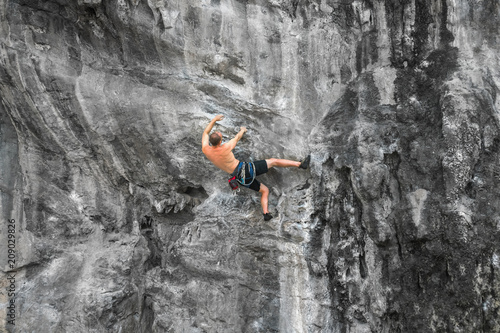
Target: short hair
{"type": "Point", "coordinates": [215, 139]}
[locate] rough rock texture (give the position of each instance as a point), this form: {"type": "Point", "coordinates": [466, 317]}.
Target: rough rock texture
{"type": "Point", "coordinates": [124, 226]}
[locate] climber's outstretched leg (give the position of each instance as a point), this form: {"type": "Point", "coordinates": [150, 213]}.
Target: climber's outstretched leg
{"type": "Point", "coordinates": [275, 162]}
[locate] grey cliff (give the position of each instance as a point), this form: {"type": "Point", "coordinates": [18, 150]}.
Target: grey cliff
{"type": "Point", "coordinates": [122, 225]}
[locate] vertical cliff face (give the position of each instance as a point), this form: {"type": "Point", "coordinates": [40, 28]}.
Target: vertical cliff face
{"type": "Point", "coordinates": [123, 225]}
{"type": "Point", "coordinates": [408, 179]}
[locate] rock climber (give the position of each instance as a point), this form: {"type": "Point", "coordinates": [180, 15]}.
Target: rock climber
{"type": "Point", "coordinates": [221, 155]}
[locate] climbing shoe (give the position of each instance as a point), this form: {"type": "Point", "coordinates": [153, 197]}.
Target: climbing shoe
{"type": "Point", "coordinates": [305, 162]}
{"type": "Point", "coordinates": [267, 216]}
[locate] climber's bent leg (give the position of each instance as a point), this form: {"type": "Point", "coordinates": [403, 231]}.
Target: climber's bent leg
{"type": "Point", "coordinates": [264, 198]}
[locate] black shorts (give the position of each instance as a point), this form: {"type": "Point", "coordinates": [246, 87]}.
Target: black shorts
{"type": "Point", "coordinates": [260, 168]}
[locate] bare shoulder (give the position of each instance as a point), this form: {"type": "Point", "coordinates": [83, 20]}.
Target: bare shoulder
{"type": "Point", "coordinates": [206, 149]}
{"type": "Point", "coordinates": [231, 144]}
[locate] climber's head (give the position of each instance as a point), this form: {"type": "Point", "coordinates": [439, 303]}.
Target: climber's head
{"type": "Point", "coordinates": [215, 138]}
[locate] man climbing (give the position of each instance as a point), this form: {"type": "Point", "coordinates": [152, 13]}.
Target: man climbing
{"type": "Point", "coordinates": [221, 155]}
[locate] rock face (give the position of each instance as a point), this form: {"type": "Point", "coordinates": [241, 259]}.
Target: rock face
{"type": "Point", "coordinates": [122, 225]}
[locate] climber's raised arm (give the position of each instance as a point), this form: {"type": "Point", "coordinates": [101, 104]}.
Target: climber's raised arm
{"type": "Point", "coordinates": [232, 143]}
{"type": "Point", "coordinates": [204, 138]}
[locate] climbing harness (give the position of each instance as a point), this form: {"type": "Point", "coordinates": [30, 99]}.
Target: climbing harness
{"type": "Point", "coordinates": [239, 175]}
{"type": "Point", "coordinates": [251, 168]}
